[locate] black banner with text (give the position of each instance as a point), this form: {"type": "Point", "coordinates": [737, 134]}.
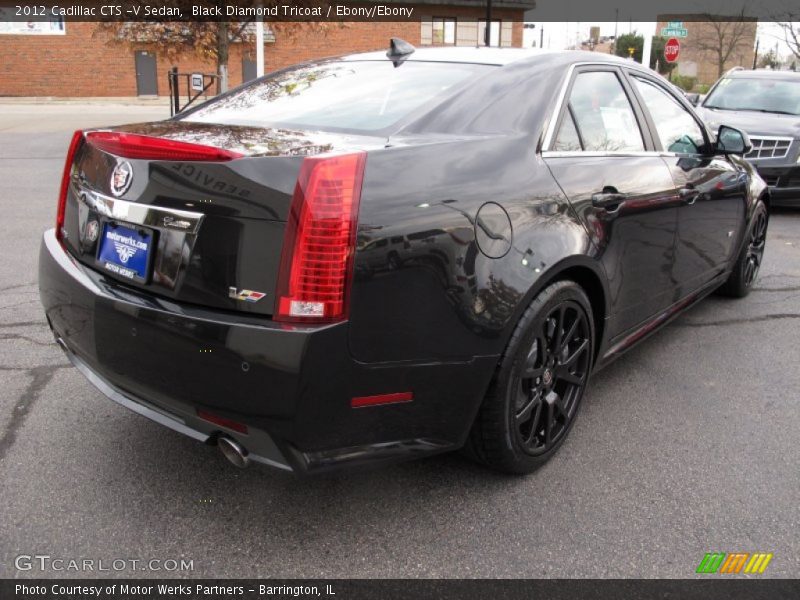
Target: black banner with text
{"type": "Point", "coordinates": [38, 11]}
{"type": "Point", "coordinates": [391, 589]}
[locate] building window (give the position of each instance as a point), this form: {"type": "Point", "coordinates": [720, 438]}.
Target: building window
{"type": "Point", "coordinates": [494, 33]}
{"type": "Point", "coordinates": [51, 27]}
{"type": "Point", "coordinates": [444, 31]}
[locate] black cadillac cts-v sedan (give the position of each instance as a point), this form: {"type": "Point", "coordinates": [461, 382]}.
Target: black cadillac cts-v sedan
{"type": "Point", "coordinates": [389, 255]}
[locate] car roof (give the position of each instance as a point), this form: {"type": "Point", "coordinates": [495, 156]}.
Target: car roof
{"type": "Point", "coordinates": [492, 56]}
{"type": "Point", "coordinates": [763, 74]}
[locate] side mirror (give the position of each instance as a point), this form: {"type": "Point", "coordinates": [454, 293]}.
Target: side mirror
{"type": "Point", "coordinates": [732, 141]}
{"type": "Point", "coordinates": [694, 99]}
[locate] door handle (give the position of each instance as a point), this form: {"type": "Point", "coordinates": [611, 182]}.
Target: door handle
{"type": "Point", "coordinates": [688, 194]}
{"type": "Point", "coordinates": [609, 199]}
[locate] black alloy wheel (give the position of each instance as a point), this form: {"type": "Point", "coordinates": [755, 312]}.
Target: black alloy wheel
{"type": "Point", "coordinates": [755, 248]}
{"type": "Point", "coordinates": [745, 270]}
{"type": "Point", "coordinates": [552, 380]}
{"type": "Point", "coordinates": [539, 383]}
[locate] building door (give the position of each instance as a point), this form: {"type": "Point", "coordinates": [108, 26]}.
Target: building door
{"type": "Point", "coordinates": [248, 69]}
{"type": "Point", "coordinates": [146, 74]}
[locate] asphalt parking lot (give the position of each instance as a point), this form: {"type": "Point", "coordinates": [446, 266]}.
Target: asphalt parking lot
{"type": "Point", "coordinates": [689, 444]}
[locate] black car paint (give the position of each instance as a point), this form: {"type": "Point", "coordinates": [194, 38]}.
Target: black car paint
{"type": "Point", "coordinates": [430, 311]}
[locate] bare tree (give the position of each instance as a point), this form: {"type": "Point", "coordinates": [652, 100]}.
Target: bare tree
{"type": "Point", "coordinates": [791, 33]}
{"type": "Point", "coordinates": [209, 40]}
{"type": "Point", "coordinates": [724, 37]}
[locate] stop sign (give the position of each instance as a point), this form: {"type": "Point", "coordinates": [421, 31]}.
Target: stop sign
{"type": "Point", "coordinates": [671, 49]}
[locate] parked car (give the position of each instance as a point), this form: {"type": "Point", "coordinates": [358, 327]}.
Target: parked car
{"type": "Point", "coordinates": [389, 255]}
{"type": "Point", "coordinates": [766, 105]}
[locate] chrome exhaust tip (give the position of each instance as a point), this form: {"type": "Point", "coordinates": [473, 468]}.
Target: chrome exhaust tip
{"type": "Point", "coordinates": [233, 451]}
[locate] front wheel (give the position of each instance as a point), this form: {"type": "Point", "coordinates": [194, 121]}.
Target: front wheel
{"type": "Point", "coordinates": [536, 393]}
{"type": "Point", "coordinates": [745, 270]}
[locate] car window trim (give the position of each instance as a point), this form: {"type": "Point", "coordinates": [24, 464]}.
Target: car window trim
{"type": "Point", "coordinates": [562, 105]}
{"type": "Point", "coordinates": [571, 112]}
{"type": "Point", "coordinates": [657, 141]}
{"type": "Point", "coordinates": [600, 153]}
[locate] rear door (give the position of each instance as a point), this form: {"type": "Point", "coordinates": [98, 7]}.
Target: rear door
{"type": "Point", "coordinates": [711, 189]}
{"type": "Point", "coordinates": [601, 154]}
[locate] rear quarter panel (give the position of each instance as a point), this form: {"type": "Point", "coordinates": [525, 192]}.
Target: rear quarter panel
{"type": "Point", "coordinates": [423, 290]}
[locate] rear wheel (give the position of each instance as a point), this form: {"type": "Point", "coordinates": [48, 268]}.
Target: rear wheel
{"type": "Point", "coordinates": [745, 270]}
{"type": "Point", "coordinates": [536, 393]}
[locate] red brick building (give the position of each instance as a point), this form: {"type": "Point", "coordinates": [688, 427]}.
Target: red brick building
{"type": "Point", "coordinates": [77, 59]}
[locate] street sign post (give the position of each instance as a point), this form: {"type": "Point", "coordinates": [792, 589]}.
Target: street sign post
{"type": "Point", "coordinates": [672, 49]}
{"type": "Point", "coordinates": [197, 82]}
{"type": "Point", "coordinates": [674, 29]}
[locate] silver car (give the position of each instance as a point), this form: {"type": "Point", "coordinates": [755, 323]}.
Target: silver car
{"type": "Point", "coordinates": [766, 105]}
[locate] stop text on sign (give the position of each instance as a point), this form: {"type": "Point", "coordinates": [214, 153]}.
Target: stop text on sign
{"type": "Point", "coordinates": [672, 49]}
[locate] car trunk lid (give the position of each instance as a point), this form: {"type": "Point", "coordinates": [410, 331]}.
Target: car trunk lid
{"type": "Point", "coordinates": [191, 211]}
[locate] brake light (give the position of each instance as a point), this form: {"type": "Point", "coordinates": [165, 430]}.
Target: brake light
{"type": "Point", "coordinates": [317, 256]}
{"type": "Point", "coordinates": [77, 140]}
{"type": "Point", "coordinates": [132, 145]}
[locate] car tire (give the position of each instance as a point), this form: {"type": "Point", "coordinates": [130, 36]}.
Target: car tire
{"type": "Point", "coordinates": [745, 270]}
{"type": "Point", "coordinates": [537, 389]}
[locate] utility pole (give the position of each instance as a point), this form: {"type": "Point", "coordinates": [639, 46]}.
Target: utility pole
{"type": "Point", "coordinates": [647, 47]}
{"type": "Point", "coordinates": [260, 47]}
{"type": "Point", "coordinates": [755, 55]}
{"type": "Point", "coordinates": [487, 35]}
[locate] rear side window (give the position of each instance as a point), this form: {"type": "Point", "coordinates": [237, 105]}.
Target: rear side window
{"type": "Point", "coordinates": [604, 118]}
{"type": "Point", "coordinates": [356, 96]}
{"type": "Point", "coordinates": [678, 131]}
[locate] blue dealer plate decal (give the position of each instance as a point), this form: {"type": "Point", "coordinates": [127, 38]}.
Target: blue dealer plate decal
{"type": "Point", "coordinates": [125, 251]}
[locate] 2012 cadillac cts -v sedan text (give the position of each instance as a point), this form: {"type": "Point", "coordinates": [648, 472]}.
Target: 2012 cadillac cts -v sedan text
{"type": "Point", "coordinates": [389, 255]}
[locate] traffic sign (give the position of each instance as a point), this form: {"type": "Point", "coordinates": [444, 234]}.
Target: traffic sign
{"type": "Point", "coordinates": [672, 49]}
{"type": "Point", "coordinates": [674, 29]}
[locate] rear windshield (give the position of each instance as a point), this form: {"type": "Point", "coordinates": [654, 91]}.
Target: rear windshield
{"type": "Point", "coordinates": [755, 94]}
{"type": "Point", "coordinates": [351, 96]}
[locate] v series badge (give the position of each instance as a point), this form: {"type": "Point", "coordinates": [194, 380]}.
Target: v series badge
{"type": "Point", "coordinates": [245, 295]}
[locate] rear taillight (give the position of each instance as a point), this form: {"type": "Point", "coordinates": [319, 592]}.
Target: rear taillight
{"type": "Point", "coordinates": [132, 145]}
{"type": "Point", "coordinates": [77, 140]}
{"type": "Point", "coordinates": [317, 257]}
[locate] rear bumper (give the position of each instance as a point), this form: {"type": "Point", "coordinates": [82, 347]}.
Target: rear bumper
{"type": "Point", "coordinates": [291, 386]}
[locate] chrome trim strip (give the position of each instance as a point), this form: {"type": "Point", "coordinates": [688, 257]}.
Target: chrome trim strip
{"type": "Point", "coordinates": [771, 138]}
{"type": "Point", "coordinates": [140, 214]}
{"type": "Point", "coordinates": [551, 125]}
{"type": "Point", "coordinates": [600, 153]}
